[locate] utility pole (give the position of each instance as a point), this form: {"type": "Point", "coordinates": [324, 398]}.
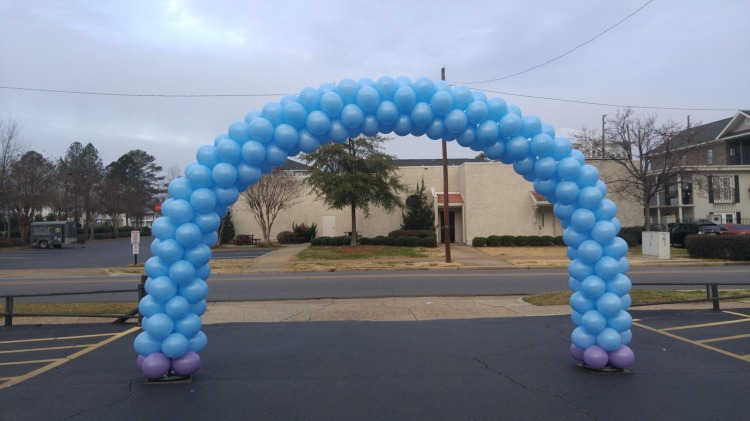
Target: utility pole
{"type": "Point", "coordinates": [604, 144]}
{"type": "Point", "coordinates": [446, 213]}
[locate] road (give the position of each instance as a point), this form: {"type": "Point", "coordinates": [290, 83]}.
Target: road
{"type": "Point", "coordinates": [299, 286]}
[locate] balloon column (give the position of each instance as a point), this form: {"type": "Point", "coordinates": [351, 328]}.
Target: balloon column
{"type": "Point", "coordinates": [176, 285]}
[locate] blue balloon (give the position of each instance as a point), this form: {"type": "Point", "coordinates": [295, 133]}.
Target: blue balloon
{"type": "Point", "coordinates": [331, 103]}
{"type": "Point", "coordinates": [338, 133]}
{"type": "Point", "coordinates": [348, 89]}
{"type": "Point", "coordinates": [180, 188]}
{"type": "Point", "coordinates": [580, 270]}
{"type": "Point", "coordinates": [285, 136]}
{"type": "Point", "coordinates": [524, 166]}
{"type": "Point", "coordinates": [175, 345]}
{"type": "Point", "coordinates": [198, 255]}
{"type": "Point", "coordinates": [589, 251]}
{"type": "Point", "coordinates": [155, 267]}
{"type": "Point", "coordinates": [163, 227]}
{"type": "Point", "coordinates": [588, 176]}
{"type": "Point", "coordinates": [573, 283]}
{"type": "Point", "coordinates": [593, 286]}
{"type": "Point", "coordinates": [497, 108]}
{"type": "Point", "coordinates": [198, 342]}
{"type": "Point", "coordinates": [566, 192]}
{"type": "Point", "coordinates": [200, 176]}
{"type": "Point", "coordinates": [603, 232]}
{"type": "Point", "coordinates": [582, 338]}
{"type": "Point", "coordinates": [194, 291]}
{"type": "Point", "coordinates": [609, 304]}
{"type": "Point", "coordinates": [607, 267]}
{"type": "Point", "coordinates": [405, 98]}
{"type": "Point", "coordinates": [386, 86]}
{"type": "Point", "coordinates": [545, 167]}
{"type": "Point", "coordinates": [608, 339]}
{"type": "Point", "coordinates": [226, 196]}
{"type": "Point", "coordinates": [574, 238]}
{"type": "Point", "coordinates": [199, 308]}
{"type": "Point", "coordinates": [441, 103]}
{"type": "Point", "coordinates": [352, 116]}
{"type": "Point", "coordinates": [571, 252]}
{"type": "Point", "coordinates": [318, 123]}
{"type": "Point", "coordinates": [606, 210]}
{"type": "Point", "coordinates": [273, 112]}
{"type": "Point", "coordinates": [510, 125]}
{"type": "Point", "coordinates": [387, 113]}
{"type": "Point", "coordinates": [488, 132]}
{"type": "Point", "coordinates": [180, 211]}
{"type": "Point", "coordinates": [456, 121]}
{"type": "Point", "coordinates": [621, 321]}
{"type": "Point", "coordinates": [616, 249]}
{"type": "Point", "coordinates": [145, 344]}
{"type": "Point", "coordinates": [564, 211]}
{"type": "Point", "coordinates": [477, 112]}
{"type": "Point", "coordinates": [424, 88]}
{"type": "Point", "coordinates": [261, 130]}
{"type": "Point", "coordinates": [148, 306]}
{"type": "Point", "coordinates": [308, 143]}
{"type": "Point", "coordinates": [189, 325]}
{"type": "Point", "coordinates": [295, 114]}
{"type": "Point", "coordinates": [542, 145]}
{"type": "Point", "coordinates": [563, 148]}
{"type": "Point", "coordinates": [568, 169]}
{"type": "Point", "coordinates": [496, 151]}
{"type": "Point", "coordinates": [170, 251]}
{"type": "Point", "coordinates": [462, 97]}
{"type": "Point", "coordinates": [309, 97]}
{"type": "Point", "coordinates": [206, 155]}
{"type": "Point", "coordinates": [543, 187]}
{"type": "Point", "coordinates": [422, 114]}
{"type": "Point", "coordinates": [177, 307]}
{"type": "Point", "coordinates": [403, 126]}
{"type": "Point", "coordinates": [582, 219]}
{"type": "Point", "coordinates": [207, 222]}
{"type": "Point", "coordinates": [580, 303]}
{"type": "Point", "coordinates": [517, 147]}
{"type": "Point", "coordinates": [368, 99]}
{"type": "Point", "coordinates": [239, 131]}
{"type": "Point", "coordinates": [228, 151]}
{"type": "Point", "coordinates": [593, 321]}
{"type": "Point", "coordinates": [619, 285]}
{"type": "Point", "coordinates": [161, 288]}
{"type": "Point", "coordinates": [436, 129]}
{"type": "Point", "coordinates": [626, 337]}
{"type": "Point", "coordinates": [531, 126]}
{"type": "Point", "coordinates": [467, 138]}
{"type": "Point", "coordinates": [181, 271]}
{"type": "Point", "coordinates": [224, 174]}
{"type": "Point", "coordinates": [159, 326]}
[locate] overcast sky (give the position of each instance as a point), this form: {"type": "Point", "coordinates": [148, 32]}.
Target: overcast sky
{"type": "Point", "coordinates": [672, 53]}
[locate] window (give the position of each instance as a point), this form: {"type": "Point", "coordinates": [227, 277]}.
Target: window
{"type": "Point", "coordinates": [710, 157]}
{"type": "Point", "coordinates": [723, 189]}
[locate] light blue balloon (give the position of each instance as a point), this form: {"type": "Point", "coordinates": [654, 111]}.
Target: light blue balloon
{"type": "Point", "coordinates": [318, 123]}
{"type": "Point", "coordinates": [542, 145]}
{"type": "Point", "coordinates": [582, 338]}
{"type": "Point", "coordinates": [148, 306]}
{"type": "Point", "coordinates": [576, 317]}
{"type": "Point", "coordinates": [462, 97]}
{"type": "Point", "coordinates": [261, 130]}
{"type": "Point", "coordinates": [436, 130]}
{"type": "Point", "coordinates": [331, 103]}
{"type": "Point", "coordinates": [488, 132]}
{"type": "Point", "coordinates": [224, 175]}
{"type": "Point", "coordinates": [580, 303]}
{"type": "Point", "coordinates": [588, 176]}
{"type": "Point", "coordinates": [180, 188]}
{"type": "Point", "coordinates": [206, 155]}
{"type": "Point", "coordinates": [338, 133]}
{"type": "Point", "coordinates": [308, 143]}
{"type": "Point", "coordinates": [253, 152]}
{"type": "Point", "coordinates": [616, 249]}
{"type": "Point", "coordinates": [580, 270]}
{"type": "Point", "coordinates": [582, 219]}
{"type": "Point", "coordinates": [589, 251]}
{"type": "Point", "coordinates": [386, 86]}
{"type": "Point", "coordinates": [198, 255]}
{"type": "Point", "coordinates": [207, 222]}
{"type": "Point", "coordinates": [623, 265]}
{"type": "Point", "coordinates": [285, 136]}
{"type": "Point", "coordinates": [170, 251]}
{"type": "Point", "coordinates": [565, 211]}
{"type": "Point", "coordinates": [295, 114]}
{"type": "Point", "coordinates": [421, 114]}
{"type": "Point", "coordinates": [607, 267]}
{"type": "Point", "coordinates": [574, 238]}
{"type": "Point", "coordinates": [620, 322]}
{"type": "Point", "coordinates": [571, 252]}
{"type": "Point", "coordinates": [424, 88]}
{"type": "Point", "coordinates": [198, 342]}
{"type": "Point", "coordinates": [456, 121]}
{"type": "Point", "coordinates": [181, 271]}
{"type": "Point", "coordinates": [626, 337]}
{"type": "Point", "coordinates": [608, 339]}
{"type": "Point", "coordinates": [593, 286]}
{"type": "Point", "coordinates": [606, 210]}
{"type": "Point", "coordinates": [517, 147]}
{"type": "Point", "coordinates": [352, 116]}
{"type": "Point", "coordinates": [226, 196]}
{"type": "Point", "coordinates": [545, 167]}
{"type": "Point", "coordinates": [309, 97]}
{"type": "Point", "coordinates": [177, 307]}
{"type": "Point", "coordinates": [368, 99]}
{"type": "Point", "coordinates": [189, 325]}
{"type": "Point", "coordinates": [194, 291]}
{"type": "Point", "coordinates": [210, 239]}
{"type": "Point", "coordinates": [549, 130]}
{"type": "Point", "coordinates": [403, 126]}
{"type": "Point", "coordinates": [531, 126]}
{"type": "Point", "coordinates": [543, 187]}
{"type": "Point", "coordinates": [467, 138]}
{"type": "Point", "coordinates": [175, 345]}
{"type": "Point", "coordinates": [247, 174]}
{"type": "Point", "coordinates": [563, 148]}
{"type": "Point", "coordinates": [405, 98]}
{"type": "Point", "coordinates": [273, 112]}
{"type": "Point", "coordinates": [593, 321]}
{"type": "Point", "coordinates": [573, 283]}
{"type": "Point", "coordinates": [497, 108]}
{"type": "Point", "coordinates": [159, 325]}
{"type": "Point", "coordinates": [578, 156]}
{"type": "Point", "coordinates": [441, 103]}
{"type": "Point", "coordinates": [619, 285]}
{"type": "Point", "coordinates": [510, 125]}
{"type": "Point", "coordinates": [161, 288]}
{"type": "Point", "coordinates": [155, 266]}
{"type": "Point", "coordinates": [188, 234]}
{"type": "Point", "coordinates": [477, 112]}
{"type": "Point", "coordinates": [239, 131]}
{"type": "Point", "coordinates": [228, 151]}
{"type": "Point", "coordinates": [199, 308]}
{"type": "Point", "coordinates": [387, 113]}
{"type": "Point", "coordinates": [525, 165]}
{"type": "Point", "coordinates": [566, 192]}
{"type": "Point", "coordinates": [163, 227]}
{"type": "Point", "coordinates": [347, 88]}
{"type": "Point", "coordinates": [496, 151]}
{"type": "Point", "coordinates": [603, 232]}
{"type": "Point", "coordinates": [200, 176]}
{"type": "Point", "coordinates": [609, 304]}
{"type": "Point", "coordinates": [568, 169]}
{"type": "Point", "coordinates": [145, 344]}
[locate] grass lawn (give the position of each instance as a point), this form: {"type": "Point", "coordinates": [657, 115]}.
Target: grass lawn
{"type": "Point", "coordinates": [639, 296]}
{"type": "Point", "coordinates": [74, 308]}
{"type": "Point", "coordinates": [361, 252]}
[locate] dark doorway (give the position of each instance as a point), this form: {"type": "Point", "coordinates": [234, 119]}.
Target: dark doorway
{"type": "Point", "coordinates": [451, 225]}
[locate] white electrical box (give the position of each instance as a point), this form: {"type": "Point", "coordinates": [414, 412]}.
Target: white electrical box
{"type": "Point", "coordinates": [656, 244]}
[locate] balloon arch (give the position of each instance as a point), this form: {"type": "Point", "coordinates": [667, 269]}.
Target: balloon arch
{"type": "Point", "coordinates": [176, 286]}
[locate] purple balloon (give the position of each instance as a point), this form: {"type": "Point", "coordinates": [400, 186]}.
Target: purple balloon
{"type": "Point", "coordinates": [595, 357]}
{"type": "Point", "coordinates": [155, 365]}
{"type": "Point", "coordinates": [187, 364]}
{"type": "Point", "coordinates": [139, 361]}
{"type": "Point", "coordinates": [622, 357]}
{"type": "Point", "coordinates": [576, 353]}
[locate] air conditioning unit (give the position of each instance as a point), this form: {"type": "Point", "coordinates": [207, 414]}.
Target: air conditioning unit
{"type": "Point", "coordinates": [716, 218]}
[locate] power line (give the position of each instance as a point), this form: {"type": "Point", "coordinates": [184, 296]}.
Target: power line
{"type": "Point", "coordinates": [563, 54]}
{"type": "Point", "coordinates": [606, 104]}
{"type": "Point", "coordinates": [61, 91]}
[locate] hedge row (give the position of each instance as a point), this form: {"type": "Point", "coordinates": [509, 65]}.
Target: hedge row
{"type": "Point", "coordinates": [412, 241]}
{"type": "Point", "coordinates": [412, 233]}
{"type": "Point", "coordinates": [727, 247]}
{"type": "Point", "coordinates": [516, 240]}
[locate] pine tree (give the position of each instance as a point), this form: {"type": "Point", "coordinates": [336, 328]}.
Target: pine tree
{"type": "Point", "coordinates": [420, 214]}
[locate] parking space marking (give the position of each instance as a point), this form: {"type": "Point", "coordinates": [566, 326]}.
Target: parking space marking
{"type": "Point", "coordinates": [49, 348]}
{"type": "Point", "coordinates": [690, 341]}
{"type": "Point", "coordinates": [737, 314]}
{"type": "Point", "coordinates": [60, 361]}
{"type": "Point", "coordinates": [56, 338]}
{"type": "Point", "coordinates": [728, 322]}
{"type": "Point", "coordinates": [725, 338]}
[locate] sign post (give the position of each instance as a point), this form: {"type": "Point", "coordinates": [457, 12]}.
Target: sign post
{"type": "Point", "coordinates": [135, 240]}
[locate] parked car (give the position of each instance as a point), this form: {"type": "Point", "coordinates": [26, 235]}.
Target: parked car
{"type": "Point", "coordinates": [683, 229]}
{"type": "Point", "coordinates": [734, 229]}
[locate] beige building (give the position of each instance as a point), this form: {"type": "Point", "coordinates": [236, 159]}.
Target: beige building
{"type": "Point", "coordinates": [485, 198]}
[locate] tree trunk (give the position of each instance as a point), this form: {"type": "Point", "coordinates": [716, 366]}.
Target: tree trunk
{"type": "Point", "coordinates": [354, 225]}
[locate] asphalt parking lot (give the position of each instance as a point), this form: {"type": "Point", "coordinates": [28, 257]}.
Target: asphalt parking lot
{"type": "Point", "coordinates": [690, 364]}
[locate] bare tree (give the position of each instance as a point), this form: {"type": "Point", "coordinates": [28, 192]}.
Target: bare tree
{"type": "Point", "coordinates": [12, 147]}
{"type": "Point", "coordinates": [650, 154]}
{"type": "Point", "coordinates": [274, 192]}
{"type": "Point", "coordinates": [29, 177]}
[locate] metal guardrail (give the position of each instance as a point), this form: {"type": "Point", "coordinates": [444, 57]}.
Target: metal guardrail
{"type": "Point", "coordinates": [712, 293]}
{"type": "Point", "coordinates": [8, 314]}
